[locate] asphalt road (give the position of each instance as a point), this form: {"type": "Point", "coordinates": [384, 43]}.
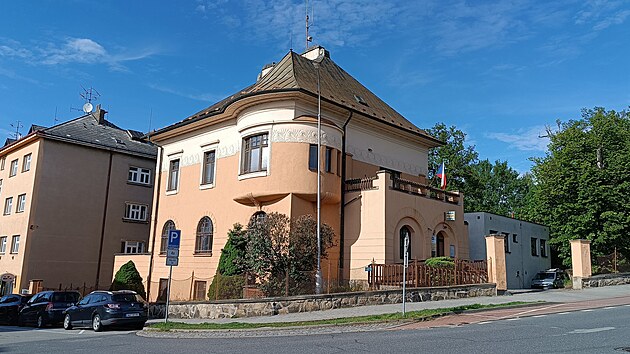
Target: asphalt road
{"type": "Point", "coordinates": [602, 330]}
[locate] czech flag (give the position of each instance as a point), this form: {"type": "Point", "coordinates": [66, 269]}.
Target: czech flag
{"type": "Point", "coordinates": [442, 174]}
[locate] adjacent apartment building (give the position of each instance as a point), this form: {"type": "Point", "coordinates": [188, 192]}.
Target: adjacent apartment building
{"type": "Point", "coordinates": [72, 195]}
{"type": "Point", "coordinates": [526, 245]}
{"type": "Point", "coordinates": [255, 152]}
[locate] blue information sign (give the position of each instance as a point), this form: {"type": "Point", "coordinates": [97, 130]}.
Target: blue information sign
{"type": "Point", "coordinates": [174, 236]}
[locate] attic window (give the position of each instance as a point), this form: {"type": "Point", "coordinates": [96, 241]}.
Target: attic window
{"type": "Point", "coordinates": [360, 100]}
{"type": "Point", "coordinates": [118, 141]}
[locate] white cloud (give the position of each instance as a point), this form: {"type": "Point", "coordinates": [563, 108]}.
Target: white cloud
{"type": "Point", "coordinates": [205, 97]}
{"type": "Point", "coordinates": [527, 139]}
{"type": "Point", "coordinates": [75, 50]}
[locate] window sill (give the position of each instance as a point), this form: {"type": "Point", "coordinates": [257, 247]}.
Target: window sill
{"type": "Point", "coordinates": [252, 175]}
{"type": "Point", "coordinates": [172, 192]}
{"type": "Point", "coordinates": [139, 184]}
{"type": "Point", "coordinates": [206, 186]}
{"type": "Point", "coordinates": [203, 254]}
{"type": "Point", "coordinates": [133, 221]}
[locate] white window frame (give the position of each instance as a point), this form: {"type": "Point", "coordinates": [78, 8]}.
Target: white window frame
{"type": "Point", "coordinates": [15, 244]}
{"type": "Point", "coordinates": [8, 205]}
{"type": "Point", "coordinates": [138, 246]}
{"type": "Point", "coordinates": [0, 186]}
{"type": "Point", "coordinates": [26, 162]}
{"type": "Point", "coordinates": [178, 175]}
{"type": "Point", "coordinates": [3, 160]}
{"type": "Point", "coordinates": [136, 211]}
{"type": "Point", "coordinates": [202, 182]}
{"type": "Point", "coordinates": [21, 203]}
{"type": "Point", "coordinates": [265, 154]}
{"type": "Point", "coordinates": [14, 168]}
{"type": "Point", "coordinates": [3, 244]}
{"type": "Point", "coordinates": [139, 175]}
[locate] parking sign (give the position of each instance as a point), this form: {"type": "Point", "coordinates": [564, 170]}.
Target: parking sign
{"type": "Point", "coordinates": [174, 237]}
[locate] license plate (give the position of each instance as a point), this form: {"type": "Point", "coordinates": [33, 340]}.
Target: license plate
{"type": "Point", "coordinates": [132, 315]}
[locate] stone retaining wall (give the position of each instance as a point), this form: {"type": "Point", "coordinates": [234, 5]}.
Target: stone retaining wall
{"type": "Point", "coordinates": [308, 303]}
{"type": "Point", "coordinates": [606, 280]}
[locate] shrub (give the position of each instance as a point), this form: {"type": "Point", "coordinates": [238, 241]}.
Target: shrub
{"type": "Point", "coordinates": [229, 287]}
{"type": "Point", "coordinates": [233, 253]}
{"type": "Point", "coordinates": [440, 262]}
{"type": "Point", "coordinates": [128, 278]}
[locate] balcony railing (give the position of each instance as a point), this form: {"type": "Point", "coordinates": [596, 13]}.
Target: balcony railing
{"type": "Point", "coordinates": [360, 184]}
{"type": "Point", "coordinates": [416, 188]}
{"type": "Point", "coordinates": [421, 275]}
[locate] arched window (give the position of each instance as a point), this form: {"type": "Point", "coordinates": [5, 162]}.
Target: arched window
{"type": "Point", "coordinates": [258, 217]}
{"type": "Point", "coordinates": [405, 232]}
{"type": "Point", "coordinates": [203, 242]}
{"type": "Point", "coordinates": [168, 226]}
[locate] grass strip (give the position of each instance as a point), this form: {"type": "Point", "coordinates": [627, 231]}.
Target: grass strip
{"type": "Point", "coordinates": [421, 315]}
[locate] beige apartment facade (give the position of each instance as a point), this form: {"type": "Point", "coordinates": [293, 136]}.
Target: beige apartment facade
{"type": "Point", "coordinates": [255, 153]}
{"type": "Point", "coordinates": [75, 201]}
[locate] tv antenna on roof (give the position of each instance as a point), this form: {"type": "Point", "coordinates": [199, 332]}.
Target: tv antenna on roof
{"type": "Point", "coordinates": [88, 96]}
{"type": "Point", "coordinates": [308, 26]}
{"type": "Point", "coordinates": [17, 127]}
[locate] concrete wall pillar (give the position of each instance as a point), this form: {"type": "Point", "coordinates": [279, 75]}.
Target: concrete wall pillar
{"type": "Point", "coordinates": [580, 261]}
{"type": "Point", "coordinates": [495, 254]}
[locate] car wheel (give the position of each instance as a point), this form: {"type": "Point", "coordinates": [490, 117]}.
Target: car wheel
{"type": "Point", "coordinates": [139, 326]}
{"type": "Point", "coordinates": [97, 325]}
{"type": "Point", "coordinates": [67, 323]}
{"type": "Point", "coordinates": [40, 321]}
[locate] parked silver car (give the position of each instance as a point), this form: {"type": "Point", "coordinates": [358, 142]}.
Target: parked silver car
{"type": "Point", "coordinates": [548, 279]}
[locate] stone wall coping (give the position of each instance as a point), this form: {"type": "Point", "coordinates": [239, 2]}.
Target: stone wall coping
{"type": "Point", "coordinates": [607, 276]}
{"type": "Point", "coordinates": [333, 295]}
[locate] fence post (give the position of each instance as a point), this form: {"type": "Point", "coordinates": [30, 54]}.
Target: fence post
{"type": "Point", "coordinates": [415, 270]}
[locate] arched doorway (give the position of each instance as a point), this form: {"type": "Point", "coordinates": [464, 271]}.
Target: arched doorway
{"type": "Point", "coordinates": [439, 247]}
{"type": "Point", "coordinates": [405, 231]}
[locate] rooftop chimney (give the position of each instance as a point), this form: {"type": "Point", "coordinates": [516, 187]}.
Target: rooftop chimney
{"type": "Point", "coordinates": [99, 114]}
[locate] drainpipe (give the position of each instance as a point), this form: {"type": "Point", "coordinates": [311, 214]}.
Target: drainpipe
{"type": "Point", "coordinates": [343, 195]}
{"type": "Point", "coordinates": [100, 249]}
{"type": "Point", "coordinates": [156, 193]}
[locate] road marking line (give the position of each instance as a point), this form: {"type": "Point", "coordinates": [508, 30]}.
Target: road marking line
{"type": "Point", "coordinates": [610, 307]}
{"type": "Point", "coordinates": [526, 312]}
{"type": "Point", "coordinates": [538, 316]}
{"type": "Point", "coordinates": [587, 310]}
{"type": "Point", "coordinates": [591, 330]}
{"type": "Point", "coordinates": [81, 331]}
{"type": "Point", "coordinates": [563, 313]}
{"type": "Point", "coordinates": [484, 322]}
{"type": "Point", "coordinates": [513, 319]}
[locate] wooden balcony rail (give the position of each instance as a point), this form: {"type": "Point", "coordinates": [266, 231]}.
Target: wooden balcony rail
{"type": "Point", "coordinates": [416, 188]}
{"type": "Point", "coordinates": [421, 275]}
{"type": "Point", "coordinates": [360, 184]}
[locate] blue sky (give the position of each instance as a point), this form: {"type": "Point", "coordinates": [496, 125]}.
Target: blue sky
{"type": "Point", "coordinates": [498, 70]}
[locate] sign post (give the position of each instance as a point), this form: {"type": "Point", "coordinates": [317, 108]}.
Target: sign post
{"type": "Point", "coordinates": [405, 265]}
{"type": "Point", "coordinates": [172, 259]}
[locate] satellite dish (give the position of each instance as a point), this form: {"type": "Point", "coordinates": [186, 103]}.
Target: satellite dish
{"type": "Point", "coordinates": [87, 108]}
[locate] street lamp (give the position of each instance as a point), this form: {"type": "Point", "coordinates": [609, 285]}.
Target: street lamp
{"type": "Point", "coordinates": [318, 274]}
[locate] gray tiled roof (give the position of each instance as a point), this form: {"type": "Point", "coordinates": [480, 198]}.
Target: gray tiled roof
{"type": "Point", "coordinates": [297, 73]}
{"type": "Point", "coordinates": [85, 130]}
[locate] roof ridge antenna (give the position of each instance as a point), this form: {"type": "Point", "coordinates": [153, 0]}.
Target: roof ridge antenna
{"type": "Point", "coordinates": [308, 38]}
{"type": "Point", "coordinates": [17, 127]}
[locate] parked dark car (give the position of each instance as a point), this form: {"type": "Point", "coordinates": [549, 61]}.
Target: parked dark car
{"type": "Point", "coordinates": [47, 307]}
{"type": "Point", "coordinates": [100, 309]}
{"type": "Point", "coordinates": [10, 306]}
{"type": "Point", "coordinates": [552, 278]}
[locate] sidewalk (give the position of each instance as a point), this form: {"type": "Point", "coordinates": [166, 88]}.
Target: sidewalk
{"type": "Point", "coordinates": [552, 296]}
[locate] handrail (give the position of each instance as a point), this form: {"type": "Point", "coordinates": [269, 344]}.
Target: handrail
{"type": "Point", "coordinates": [360, 184]}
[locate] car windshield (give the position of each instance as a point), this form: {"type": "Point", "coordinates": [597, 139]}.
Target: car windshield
{"type": "Point", "coordinates": [65, 297]}
{"type": "Point", "coordinates": [545, 276]}
{"type": "Point", "coordinates": [126, 298]}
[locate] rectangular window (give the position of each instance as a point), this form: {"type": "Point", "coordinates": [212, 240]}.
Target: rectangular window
{"type": "Point", "coordinates": [21, 203]}
{"type": "Point", "coordinates": [543, 248]}
{"type": "Point", "coordinates": [2, 162]}
{"type": "Point", "coordinates": [8, 205]}
{"type": "Point", "coordinates": [534, 247]}
{"type": "Point", "coordinates": [506, 241]}
{"type": "Point", "coordinates": [173, 175]}
{"type": "Point", "coordinates": [14, 168]}
{"type": "Point", "coordinates": [207, 173]}
{"type": "Point", "coordinates": [137, 212]}
{"type": "Point", "coordinates": [515, 238]}
{"type": "Point", "coordinates": [312, 157]}
{"type": "Point", "coordinates": [200, 290]}
{"type": "Point", "coordinates": [133, 247]}
{"type": "Point", "coordinates": [15, 244]}
{"type": "Point", "coordinates": [26, 163]}
{"type": "Point", "coordinates": [0, 186]}
{"type": "Point", "coordinates": [255, 156]}
{"type": "Point", "coordinates": [339, 163]}
{"type": "Point", "coordinates": [139, 175]}
{"type": "Point", "coordinates": [3, 244]}
{"type": "Point", "coordinates": [328, 162]}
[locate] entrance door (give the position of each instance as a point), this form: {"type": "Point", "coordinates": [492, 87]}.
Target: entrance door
{"type": "Point", "coordinates": [440, 245]}
{"type": "Point", "coordinates": [6, 284]}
